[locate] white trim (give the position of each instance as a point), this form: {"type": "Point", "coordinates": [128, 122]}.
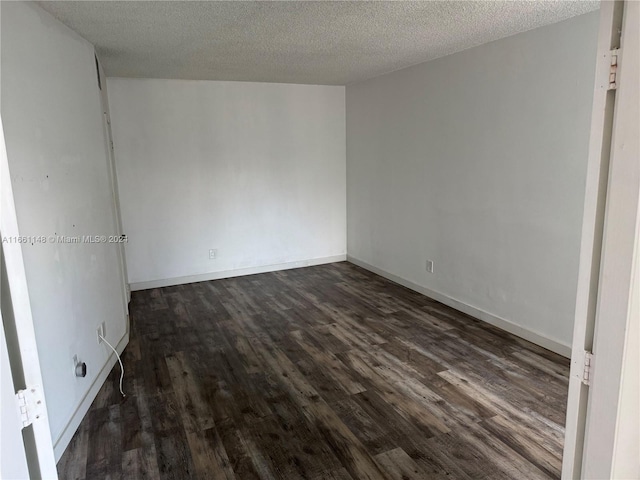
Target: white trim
{"type": "Point", "coordinates": [60, 444]}
{"type": "Point", "coordinates": [168, 282]}
{"type": "Point", "coordinates": [39, 453]}
{"type": "Point", "coordinates": [502, 323]}
{"type": "Point", "coordinates": [615, 293]}
{"type": "Point", "coordinates": [598, 165]}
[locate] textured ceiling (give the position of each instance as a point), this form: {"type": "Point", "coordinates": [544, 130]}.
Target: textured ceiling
{"type": "Point", "coordinates": [296, 41]}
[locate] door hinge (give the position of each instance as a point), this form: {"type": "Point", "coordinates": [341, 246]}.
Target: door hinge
{"type": "Point", "coordinates": [614, 63]}
{"type": "Point", "coordinates": [30, 405]}
{"type": "Point", "coordinates": [587, 368]}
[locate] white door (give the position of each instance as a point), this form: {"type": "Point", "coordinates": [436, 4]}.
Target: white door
{"type": "Point", "coordinates": [605, 296]}
{"type": "Point", "coordinates": [18, 343]}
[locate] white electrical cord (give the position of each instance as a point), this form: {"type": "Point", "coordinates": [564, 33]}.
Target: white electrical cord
{"type": "Point", "coordinates": [121, 366]}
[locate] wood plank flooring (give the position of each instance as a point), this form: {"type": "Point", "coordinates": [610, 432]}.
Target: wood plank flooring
{"type": "Point", "coordinates": [327, 372]}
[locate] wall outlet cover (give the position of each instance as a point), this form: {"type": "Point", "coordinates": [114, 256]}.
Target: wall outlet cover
{"type": "Point", "coordinates": [100, 332]}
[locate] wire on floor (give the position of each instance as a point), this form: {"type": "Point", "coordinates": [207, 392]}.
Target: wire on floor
{"type": "Point", "coordinates": [121, 366]}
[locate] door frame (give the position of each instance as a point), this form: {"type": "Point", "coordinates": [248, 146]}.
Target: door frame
{"type": "Point", "coordinates": [113, 179]}
{"type": "Point", "coordinates": [26, 368]}
{"type": "Point", "coordinates": [608, 252]}
{"type": "Point", "coordinates": [13, 458]}
{"type": "Point", "coordinates": [619, 255]}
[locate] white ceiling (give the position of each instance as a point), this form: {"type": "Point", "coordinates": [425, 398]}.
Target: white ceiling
{"type": "Point", "coordinates": [296, 41]}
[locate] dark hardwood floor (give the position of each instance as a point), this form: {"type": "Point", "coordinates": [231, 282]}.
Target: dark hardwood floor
{"type": "Point", "coordinates": [322, 372]}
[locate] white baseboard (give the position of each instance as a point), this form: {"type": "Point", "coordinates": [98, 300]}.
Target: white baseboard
{"type": "Point", "coordinates": [168, 282]}
{"type": "Point", "coordinates": [504, 324]}
{"type": "Point", "coordinates": [60, 444]}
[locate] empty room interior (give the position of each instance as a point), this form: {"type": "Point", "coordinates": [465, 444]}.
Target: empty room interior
{"type": "Point", "coordinates": [319, 240]}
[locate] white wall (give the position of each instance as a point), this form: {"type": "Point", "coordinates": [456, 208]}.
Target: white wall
{"type": "Point", "coordinates": [253, 170]}
{"type": "Point", "coordinates": [59, 171]}
{"type": "Point", "coordinates": [477, 161]}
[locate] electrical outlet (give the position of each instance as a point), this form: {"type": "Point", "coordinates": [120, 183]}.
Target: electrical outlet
{"type": "Point", "coordinates": [79, 368]}
{"type": "Point", "coordinates": [213, 253]}
{"type": "Point", "coordinates": [101, 332]}
{"type": "Point", "coordinates": [429, 266]}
